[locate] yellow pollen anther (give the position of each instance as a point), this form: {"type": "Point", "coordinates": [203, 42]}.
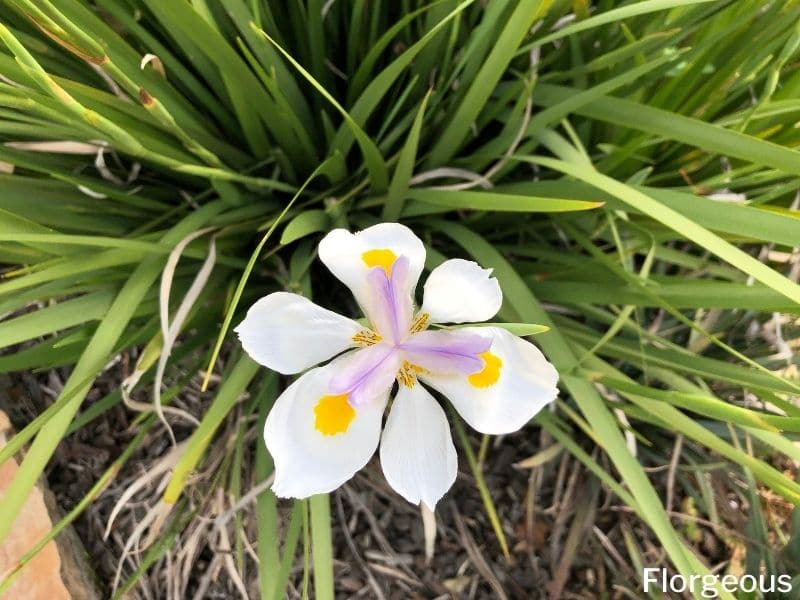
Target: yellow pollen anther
{"type": "Point", "coordinates": [420, 323]}
{"type": "Point", "coordinates": [333, 414]}
{"type": "Point", "coordinates": [380, 257]}
{"type": "Point", "coordinates": [407, 375]}
{"type": "Point", "coordinates": [490, 372]}
{"type": "Point", "coordinates": [366, 337]}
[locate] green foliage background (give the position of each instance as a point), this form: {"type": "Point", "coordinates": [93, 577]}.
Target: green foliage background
{"type": "Point", "coordinates": [588, 152]}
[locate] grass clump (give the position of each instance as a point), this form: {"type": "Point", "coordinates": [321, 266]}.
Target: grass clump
{"type": "Point", "coordinates": [629, 170]}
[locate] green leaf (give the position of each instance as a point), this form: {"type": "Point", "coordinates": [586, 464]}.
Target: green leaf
{"type": "Point", "coordinates": [55, 318]}
{"type": "Point", "coordinates": [376, 165]}
{"type": "Point", "coordinates": [611, 16]}
{"type": "Point", "coordinates": [490, 201]}
{"type": "Point", "coordinates": [520, 329]}
{"type": "Point", "coordinates": [481, 87]}
{"type": "Point", "coordinates": [398, 188]}
{"type": "Point", "coordinates": [322, 546]}
{"type": "Point", "coordinates": [306, 223]}
{"type": "Point", "coordinates": [743, 221]}
{"type": "Point", "coordinates": [675, 220]}
{"type": "Point", "coordinates": [381, 83]}
{"type": "Point", "coordinates": [673, 126]}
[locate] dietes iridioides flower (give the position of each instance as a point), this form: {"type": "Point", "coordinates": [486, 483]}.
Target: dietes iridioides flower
{"type": "Point", "coordinates": [327, 424]}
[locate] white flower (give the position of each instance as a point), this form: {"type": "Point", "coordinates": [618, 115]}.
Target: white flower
{"type": "Point", "coordinates": [327, 424]}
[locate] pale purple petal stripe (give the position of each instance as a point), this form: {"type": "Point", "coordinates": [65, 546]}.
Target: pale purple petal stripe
{"type": "Point", "coordinates": [443, 352]}
{"type": "Point", "coordinates": [368, 374]}
{"type": "Point", "coordinates": [391, 306]}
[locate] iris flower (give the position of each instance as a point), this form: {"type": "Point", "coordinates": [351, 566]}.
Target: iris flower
{"type": "Point", "coordinates": [327, 424]}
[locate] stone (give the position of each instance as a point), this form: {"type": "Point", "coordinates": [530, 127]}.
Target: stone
{"type": "Point", "coordinates": [41, 578]}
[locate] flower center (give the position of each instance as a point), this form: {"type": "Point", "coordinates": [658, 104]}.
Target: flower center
{"type": "Point", "coordinates": [401, 337]}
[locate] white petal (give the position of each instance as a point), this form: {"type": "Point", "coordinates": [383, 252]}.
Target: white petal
{"type": "Point", "coordinates": [289, 333]}
{"type": "Point", "coordinates": [461, 291]}
{"type": "Point", "coordinates": [508, 393]}
{"type": "Point", "coordinates": [343, 253]}
{"type": "Point", "coordinates": [308, 462]}
{"type": "Point", "coordinates": [417, 453]}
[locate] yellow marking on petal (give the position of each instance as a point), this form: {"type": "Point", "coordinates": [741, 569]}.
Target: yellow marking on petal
{"type": "Point", "coordinates": [420, 323]}
{"type": "Point", "coordinates": [333, 414]}
{"type": "Point", "coordinates": [490, 372]}
{"type": "Point", "coordinates": [366, 337]}
{"type": "Point", "coordinates": [380, 257]}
